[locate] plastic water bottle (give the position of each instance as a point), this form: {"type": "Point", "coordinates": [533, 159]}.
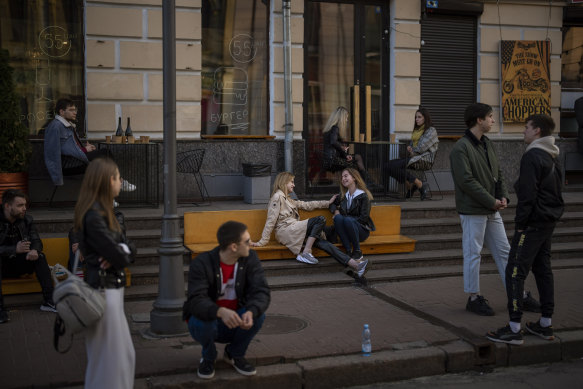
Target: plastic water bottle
{"type": "Point", "coordinates": [366, 347]}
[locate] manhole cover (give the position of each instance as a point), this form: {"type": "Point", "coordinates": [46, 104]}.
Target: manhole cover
{"type": "Point", "coordinates": [281, 324]}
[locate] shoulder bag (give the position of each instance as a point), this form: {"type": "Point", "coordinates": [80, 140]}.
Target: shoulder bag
{"type": "Point", "coordinates": [79, 306]}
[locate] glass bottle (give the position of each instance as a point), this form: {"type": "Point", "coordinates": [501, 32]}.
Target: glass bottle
{"type": "Point", "coordinates": [129, 129]}
{"type": "Point", "coordinates": [119, 131]}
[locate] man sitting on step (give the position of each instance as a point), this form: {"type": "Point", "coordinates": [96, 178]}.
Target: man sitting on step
{"type": "Point", "coordinates": [21, 249]}
{"type": "Point", "coordinates": [227, 299]}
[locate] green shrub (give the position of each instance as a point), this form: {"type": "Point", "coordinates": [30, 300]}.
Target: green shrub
{"type": "Point", "coordinates": [15, 148]}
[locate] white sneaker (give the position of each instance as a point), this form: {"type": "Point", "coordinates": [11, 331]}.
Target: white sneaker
{"type": "Point", "coordinates": [48, 307]}
{"type": "Point", "coordinates": [307, 258]}
{"type": "Point", "coordinates": [127, 186]}
{"type": "Point", "coordinates": [361, 268]}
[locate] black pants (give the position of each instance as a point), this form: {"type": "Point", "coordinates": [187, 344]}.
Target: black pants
{"type": "Point", "coordinates": [397, 168]}
{"type": "Point", "coordinates": [12, 267]}
{"type": "Point", "coordinates": [315, 226]}
{"type": "Point", "coordinates": [334, 251]}
{"type": "Point", "coordinates": [530, 248]}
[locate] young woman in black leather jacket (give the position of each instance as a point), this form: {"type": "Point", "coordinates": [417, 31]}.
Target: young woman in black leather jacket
{"type": "Point", "coordinates": [110, 351]}
{"type": "Point", "coordinates": [351, 211]}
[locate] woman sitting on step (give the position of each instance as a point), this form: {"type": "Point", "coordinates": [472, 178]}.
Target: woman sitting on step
{"type": "Point", "coordinates": [283, 216]}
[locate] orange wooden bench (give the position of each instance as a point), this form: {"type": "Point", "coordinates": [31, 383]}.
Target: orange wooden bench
{"type": "Point", "coordinates": [200, 231]}
{"type": "Point", "coordinates": [57, 251]}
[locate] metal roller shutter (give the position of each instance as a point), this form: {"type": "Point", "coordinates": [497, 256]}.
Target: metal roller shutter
{"type": "Point", "coordinates": [448, 69]}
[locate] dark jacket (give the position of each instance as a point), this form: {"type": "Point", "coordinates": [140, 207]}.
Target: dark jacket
{"type": "Point", "coordinates": [26, 228]}
{"type": "Point", "coordinates": [477, 177]}
{"type": "Point", "coordinates": [359, 209]}
{"type": "Point", "coordinates": [333, 145]}
{"type": "Point", "coordinates": [204, 286]}
{"type": "Point", "coordinates": [97, 240]}
{"type": "Point", "coordinates": [538, 188]}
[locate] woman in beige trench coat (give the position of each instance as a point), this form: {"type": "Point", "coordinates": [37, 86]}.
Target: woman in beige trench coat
{"type": "Point", "coordinates": [283, 215]}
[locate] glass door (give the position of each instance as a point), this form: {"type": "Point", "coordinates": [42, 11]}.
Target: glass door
{"type": "Point", "coordinates": [347, 64]}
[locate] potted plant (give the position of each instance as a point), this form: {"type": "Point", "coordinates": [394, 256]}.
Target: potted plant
{"type": "Point", "coordinates": [15, 148]}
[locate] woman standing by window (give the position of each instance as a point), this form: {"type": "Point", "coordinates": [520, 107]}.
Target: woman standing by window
{"type": "Point", "coordinates": [110, 351]}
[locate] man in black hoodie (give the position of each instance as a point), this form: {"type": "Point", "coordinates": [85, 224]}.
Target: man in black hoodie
{"type": "Point", "coordinates": [540, 205]}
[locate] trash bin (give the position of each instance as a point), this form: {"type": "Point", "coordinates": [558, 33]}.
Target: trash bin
{"type": "Point", "coordinates": [256, 182]}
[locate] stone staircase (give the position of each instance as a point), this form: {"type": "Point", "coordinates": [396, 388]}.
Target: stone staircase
{"type": "Point", "coordinates": [434, 224]}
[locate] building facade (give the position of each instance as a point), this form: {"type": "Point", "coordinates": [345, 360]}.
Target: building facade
{"type": "Point", "coordinates": [380, 59]}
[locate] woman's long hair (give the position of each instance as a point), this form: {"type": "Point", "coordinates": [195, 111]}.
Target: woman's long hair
{"type": "Point", "coordinates": [96, 188]}
{"type": "Point", "coordinates": [338, 118]}
{"type": "Point", "coordinates": [425, 112]}
{"type": "Point", "coordinates": [281, 180]}
{"type": "Point", "coordinates": [357, 180]}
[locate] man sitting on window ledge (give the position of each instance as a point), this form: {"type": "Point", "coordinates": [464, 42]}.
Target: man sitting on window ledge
{"type": "Point", "coordinates": [64, 152]}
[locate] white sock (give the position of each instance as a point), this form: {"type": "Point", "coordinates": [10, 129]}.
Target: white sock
{"type": "Point", "coordinates": [545, 322]}
{"type": "Point", "coordinates": [514, 326]}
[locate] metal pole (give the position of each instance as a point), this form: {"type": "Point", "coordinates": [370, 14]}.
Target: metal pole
{"type": "Point", "coordinates": [287, 86]}
{"type": "Point", "coordinates": [166, 315]}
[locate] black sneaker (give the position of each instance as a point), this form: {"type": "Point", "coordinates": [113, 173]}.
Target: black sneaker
{"type": "Point", "coordinates": [543, 332]}
{"type": "Point", "coordinates": [505, 335]}
{"type": "Point", "coordinates": [240, 364]}
{"type": "Point", "coordinates": [206, 369]}
{"type": "Point", "coordinates": [530, 304]}
{"type": "Point", "coordinates": [3, 316]}
{"type": "Point", "coordinates": [479, 306]}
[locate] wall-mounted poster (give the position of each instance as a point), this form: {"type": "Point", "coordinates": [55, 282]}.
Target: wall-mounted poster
{"type": "Point", "coordinates": [526, 83]}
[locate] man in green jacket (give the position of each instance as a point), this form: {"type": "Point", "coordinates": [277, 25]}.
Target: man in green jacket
{"type": "Point", "coordinates": [480, 193]}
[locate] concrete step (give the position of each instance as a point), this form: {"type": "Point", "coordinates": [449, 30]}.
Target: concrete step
{"type": "Point", "coordinates": [454, 240]}
{"type": "Point", "coordinates": [443, 225]}
{"type": "Point", "coordinates": [148, 274]}
{"type": "Point", "coordinates": [436, 209]}
{"type": "Point", "coordinates": [338, 278]}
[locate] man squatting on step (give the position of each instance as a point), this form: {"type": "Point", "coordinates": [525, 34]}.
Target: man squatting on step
{"type": "Point", "coordinates": [227, 299]}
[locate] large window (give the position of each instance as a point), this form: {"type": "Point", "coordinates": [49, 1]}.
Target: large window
{"type": "Point", "coordinates": [235, 67]}
{"type": "Point", "coordinates": [45, 42]}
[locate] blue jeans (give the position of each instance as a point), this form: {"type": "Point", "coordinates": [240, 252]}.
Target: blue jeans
{"type": "Point", "coordinates": [351, 233]}
{"type": "Point", "coordinates": [208, 332]}
{"type": "Point", "coordinates": [480, 231]}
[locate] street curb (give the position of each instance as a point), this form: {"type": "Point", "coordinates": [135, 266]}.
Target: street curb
{"type": "Point", "coordinates": [404, 361]}
{"type": "Point", "coordinates": [571, 344]}
{"type": "Point", "coordinates": [351, 370]}
{"type": "Point", "coordinates": [275, 376]}
{"type": "Point", "coordinates": [459, 356]}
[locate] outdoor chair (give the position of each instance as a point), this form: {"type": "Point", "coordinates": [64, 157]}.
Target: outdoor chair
{"type": "Point", "coordinates": [420, 169]}
{"type": "Point", "coordinates": [189, 162]}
